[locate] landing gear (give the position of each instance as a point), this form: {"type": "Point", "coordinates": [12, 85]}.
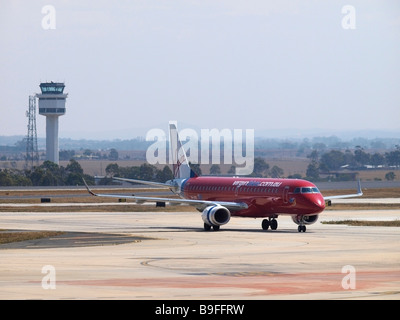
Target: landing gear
{"type": "Point", "coordinates": [301, 228]}
{"type": "Point", "coordinates": [266, 223]}
{"type": "Point", "coordinates": [207, 227]}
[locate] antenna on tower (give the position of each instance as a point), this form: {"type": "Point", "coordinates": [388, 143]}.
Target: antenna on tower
{"type": "Point", "coordinates": [32, 154]}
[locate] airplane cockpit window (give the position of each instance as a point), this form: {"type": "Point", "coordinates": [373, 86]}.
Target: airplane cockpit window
{"type": "Point", "coordinates": [306, 190]}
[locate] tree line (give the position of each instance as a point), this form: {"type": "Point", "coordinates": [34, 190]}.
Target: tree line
{"type": "Point", "coordinates": [51, 174]}
{"type": "Point", "coordinates": [336, 160]}
{"type": "Point", "coordinates": [47, 174]}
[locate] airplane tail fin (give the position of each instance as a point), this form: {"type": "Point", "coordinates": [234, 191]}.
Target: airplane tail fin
{"type": "Point", "coordinates": [181, 168]}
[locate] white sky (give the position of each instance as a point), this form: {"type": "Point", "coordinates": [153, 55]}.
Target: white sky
{"type": "Point", "coordinates": [271, 66]}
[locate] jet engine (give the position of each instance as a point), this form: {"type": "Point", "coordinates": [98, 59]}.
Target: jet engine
{"type": "Point", "coordinates": [304, 220]}
{"type": "Point", "coordinates": [216, 215]}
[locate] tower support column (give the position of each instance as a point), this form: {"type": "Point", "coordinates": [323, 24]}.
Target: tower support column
{"type": "Point", "coordinates": [52, 139]}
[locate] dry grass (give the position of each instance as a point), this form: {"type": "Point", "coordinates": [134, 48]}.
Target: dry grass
{"type": "Point", "coordinates": [364, 223]}
{"type": "Point", "coordinates": [8, 237]}
{"type": "Point", "coordinates": [367, 193]}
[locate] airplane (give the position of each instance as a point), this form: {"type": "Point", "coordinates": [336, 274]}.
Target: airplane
{"type": "Point", "coordinates": [220, 198]}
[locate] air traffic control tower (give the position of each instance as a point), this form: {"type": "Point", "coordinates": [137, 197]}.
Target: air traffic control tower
{"type": "Point", "coordinates": [52, 105]}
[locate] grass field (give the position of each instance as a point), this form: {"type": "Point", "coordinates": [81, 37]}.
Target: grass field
{"type": "Point", "coordinates": [394, 223]}
{"type": "Point", "coordinates": [15, 236]}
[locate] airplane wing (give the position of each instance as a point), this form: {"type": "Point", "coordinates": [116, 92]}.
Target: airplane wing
{"type": "Point", "coordinates": [201, 204]}
{"type": "Point", "coordinates": [358, 194]}
{"type": "Point", "coordinates": [150, 183]}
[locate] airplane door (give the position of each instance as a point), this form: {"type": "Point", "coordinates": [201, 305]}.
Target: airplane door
{"type": "Point", "coordinates": [286, 195]}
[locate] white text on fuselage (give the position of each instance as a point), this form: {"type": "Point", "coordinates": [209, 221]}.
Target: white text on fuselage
{"type": "Point", "coordinates": [257, 184]}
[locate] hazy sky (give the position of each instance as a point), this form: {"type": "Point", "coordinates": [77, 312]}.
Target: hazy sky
{"type": "Point", "coordinates": [272, 66]}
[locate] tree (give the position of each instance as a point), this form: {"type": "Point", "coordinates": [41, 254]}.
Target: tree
{"type": "Point", "coordinates": [196, 168]}
{"type": "Point", "coordinates": [66, 154]}
{"type": "Point", "coordinates": [260, 167]}
{"type": "Point", "coordinates": [362, 158]}
{"type": "Point", "coordinates": [393, 158]}
{"type": "Point", "coordinates": [74, 179]}
{"type": "Point", "coordinates": [112, 169]}
{"type": "Point", "coordinates": [147, 172]}
{"type": "Point", "coordinates": [113, 155]}
{"type": "Point", "coordinates": [313, 155]}
{"type": "Point", "coordinates": [390, 176]}
{"type": "Point", "coordinates": [74, 167]}
{"type": "Point", "coordinates": [164, 175]}
{"type": "Point", "coordinates": [332, 160]}
{"type": "Point", "coordinates": [75, 173]}
{"type": "Point", "coordinates": [276, 172]}
{"type": "Point", "coordinates": [232, 170]}
{"type": "Point", "coordinates": [215, 169]}
{"type": "Point", "coordinates": [5, 178]}
{"type": "Point", "coordinates": [87, 153]}
{"type": "Point", "coordinates": [377, 159]}
{"type": "Point", "coordinates": [312, 172]}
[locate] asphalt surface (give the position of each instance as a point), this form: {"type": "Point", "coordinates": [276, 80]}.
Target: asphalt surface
{"type": "Point", "coordinates": [149, 255]}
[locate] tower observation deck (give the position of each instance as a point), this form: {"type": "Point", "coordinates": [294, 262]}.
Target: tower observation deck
{"type": "Point", "coordinates": [52, 105]}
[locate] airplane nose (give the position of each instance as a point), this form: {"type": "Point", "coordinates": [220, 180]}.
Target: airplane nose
{"type": "Point", "coordinates": [319, 203]}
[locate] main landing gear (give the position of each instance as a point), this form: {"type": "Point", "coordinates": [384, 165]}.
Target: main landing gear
{"type": "Point", "coordinates": [266, 223]}
{"type": "Point", "coordinates": [301, 228]}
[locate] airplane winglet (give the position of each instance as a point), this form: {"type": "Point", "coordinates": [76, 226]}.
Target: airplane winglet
{"type": "Point", "coordinates": [88, 189]}
{"type": "Point", "coordinates": [358, 194]}
{"type": "Point", "coordinates": [359, 191]}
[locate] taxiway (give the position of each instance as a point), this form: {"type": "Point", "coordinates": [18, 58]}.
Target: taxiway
{"type": "Point", "coordinates": [164, 255]}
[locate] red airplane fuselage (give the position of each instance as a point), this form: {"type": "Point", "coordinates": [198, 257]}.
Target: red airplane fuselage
{"type": "Point", "coordinates": [265, 197]}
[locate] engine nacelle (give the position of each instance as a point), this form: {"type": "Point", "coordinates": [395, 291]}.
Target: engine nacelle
{"type": "Point", "coordinates": [216, 215]}
{"type": "Point", "coordinates": [305, 220]}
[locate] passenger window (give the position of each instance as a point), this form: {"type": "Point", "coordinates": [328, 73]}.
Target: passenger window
{"type": "Point", "coordinates": [297, 190]}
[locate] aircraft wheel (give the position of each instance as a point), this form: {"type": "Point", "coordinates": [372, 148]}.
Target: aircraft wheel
{"type": "Point", "coordinates": [207, 227]}
{"type": "Point", "coordinates": [265, 224]}
{"type": "Point", "coordinates": [301, 228]}
{"type": "Point", "coordinates": [274, 224]}
{"type": "Point", "coordinates": [216, 228]}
